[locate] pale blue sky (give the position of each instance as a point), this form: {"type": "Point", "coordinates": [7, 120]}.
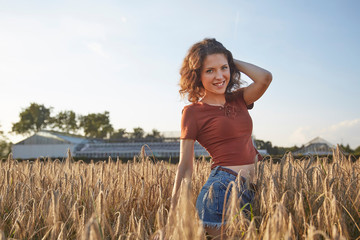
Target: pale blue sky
{"type": "Point", "coordinates": [124, 57]}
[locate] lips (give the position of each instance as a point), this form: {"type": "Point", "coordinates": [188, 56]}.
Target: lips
{"type": "Point", "coordinates": [219, 84]}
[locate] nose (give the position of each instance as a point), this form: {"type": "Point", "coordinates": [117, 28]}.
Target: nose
{"type": "Point", "coordinates": [219, 75]}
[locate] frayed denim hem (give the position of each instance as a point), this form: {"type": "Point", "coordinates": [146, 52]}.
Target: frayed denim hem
{"type": "Point", "coordinates": [213, 224]}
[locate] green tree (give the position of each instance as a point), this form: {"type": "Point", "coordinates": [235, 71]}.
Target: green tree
{"type": "Point", "coordinates": [5, 145]}
{"type": "Point", "coordinates": [357, 150]}
{"type": "Point", "coordinates": [32, 119]}
{"type": "Point", "coordinates": [65, 121]}
{"type": "Point", "coordinates": [155, 134]}
{"type": "Point", "coordinates": [347, 148]}
{"type": "Point", "coordinates": [260, 144]}
{"type": "Point", "coordinates": [96, 125]}
{"type": "Point", "coordinates": [5, 148]}
{"type": "Point", "coordinates": [137, 133]}
{"type": "Point", "coordinates": [293, 148]}
{"type": "Point", "coordinates": [274, 150]}
{"type": "Point", "coordinates": [119, 134]}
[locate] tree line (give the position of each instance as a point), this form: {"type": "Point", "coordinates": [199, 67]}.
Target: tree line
{"type": "Point", "coordinates": [275, 150]}
{"type": "Point", "coordinates": [38, 117]}
{"type": "Point", "coordinates": [5, 145]}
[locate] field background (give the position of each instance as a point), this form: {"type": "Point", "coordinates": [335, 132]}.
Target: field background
{"type": "Point", "coordinates": [312, 198]}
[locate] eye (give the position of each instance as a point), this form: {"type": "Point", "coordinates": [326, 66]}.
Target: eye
{"type": "Point", "coordinates": [209, 71]}
{"type": "Point", "coordinates": [225, 67]}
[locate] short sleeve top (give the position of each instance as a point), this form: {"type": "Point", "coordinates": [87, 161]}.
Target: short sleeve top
{"type": "Point", "coordinates": [225, 132]}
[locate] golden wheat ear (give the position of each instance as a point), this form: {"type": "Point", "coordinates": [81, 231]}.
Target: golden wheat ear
{"type": "Point", "coordinates": [316, 197]}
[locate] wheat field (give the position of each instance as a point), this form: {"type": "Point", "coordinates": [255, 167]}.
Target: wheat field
{"type": "Point", "coordinates": [312, 198]}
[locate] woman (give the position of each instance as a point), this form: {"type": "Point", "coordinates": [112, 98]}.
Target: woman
{"type": "Point", "coordinates": [218, 119]}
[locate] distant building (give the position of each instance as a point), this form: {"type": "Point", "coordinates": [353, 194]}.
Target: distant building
{"type": "Point", "coordinates": [47, 144]}
{"type": "Point", "coordinates": [263, 152]}
{"type": "Point", "coordinates": [163, 149]}
{"type": "Point", "coordinates": [317, 146]}
{"type": "Point", "coordinates": [55, 145]}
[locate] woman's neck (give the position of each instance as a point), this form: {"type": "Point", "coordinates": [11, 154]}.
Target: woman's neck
{"type": "Point", "coordinates": [219, 100]}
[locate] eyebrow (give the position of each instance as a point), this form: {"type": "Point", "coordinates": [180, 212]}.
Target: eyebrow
{"type": "Point", "coordinates": [226, 64]}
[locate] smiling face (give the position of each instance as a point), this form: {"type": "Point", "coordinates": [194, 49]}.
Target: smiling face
{"type": "Point", "coordinates": [215, 75]}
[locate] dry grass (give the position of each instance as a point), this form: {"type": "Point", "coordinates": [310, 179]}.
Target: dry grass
{"type": "Point", "coordinates": [52, 199]}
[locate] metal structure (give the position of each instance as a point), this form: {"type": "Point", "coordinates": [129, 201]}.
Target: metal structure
{"type": "Point", "coordinates": [317, 146]}
{"type": "Point", "coordinates": [55, 145]}
{"type": "Point", "coordinates": [46, 144]}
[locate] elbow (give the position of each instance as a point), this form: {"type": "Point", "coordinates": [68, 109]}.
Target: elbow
{"type": "Point", "coordinates": [267, 78]}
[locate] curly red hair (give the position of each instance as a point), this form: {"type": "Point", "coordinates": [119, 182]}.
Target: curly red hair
{"type": "Point", "coordinates": [190, 82]}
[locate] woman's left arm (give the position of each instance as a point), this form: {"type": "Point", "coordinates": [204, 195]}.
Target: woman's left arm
{"type": "Point", "coordinates": [261, 77]}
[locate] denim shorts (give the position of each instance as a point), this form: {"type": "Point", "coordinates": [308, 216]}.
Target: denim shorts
{"type": "Point", "coordinates": [210, 208]}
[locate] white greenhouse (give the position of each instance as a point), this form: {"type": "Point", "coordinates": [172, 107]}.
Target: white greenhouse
{"type": "Point", "coordinates": [46, 144]}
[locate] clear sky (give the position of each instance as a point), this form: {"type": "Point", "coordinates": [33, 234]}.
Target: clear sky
{"type": "Point", "coordinates": [124, 57]}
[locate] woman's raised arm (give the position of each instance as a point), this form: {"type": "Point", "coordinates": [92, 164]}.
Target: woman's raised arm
{"type": "Point", "coordinates": [261, 77]}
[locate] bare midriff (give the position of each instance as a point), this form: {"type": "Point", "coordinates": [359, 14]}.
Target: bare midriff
{"type": "Point", "coordinates": [247, 171]}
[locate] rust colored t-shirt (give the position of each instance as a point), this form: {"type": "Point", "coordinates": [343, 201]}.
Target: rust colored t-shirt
{"type": "Point", "coordinates": [225, 132]}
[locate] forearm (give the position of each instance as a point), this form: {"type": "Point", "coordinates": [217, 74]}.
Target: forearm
{"type": "Point", "coordinates": [185, 167]}
{"type": "Point", "coordinates": [255, 73]}
{"type": "Point", "coordinates": [183, 173]}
